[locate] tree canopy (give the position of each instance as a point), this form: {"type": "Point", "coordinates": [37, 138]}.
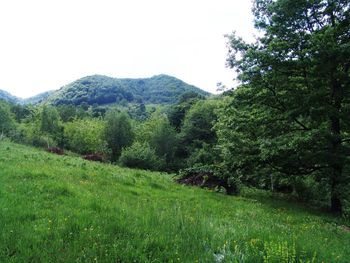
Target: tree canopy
{"type": "Point", "coordinates": [118, 132]}
{"type": "Point", "coordinates": [291, 114]}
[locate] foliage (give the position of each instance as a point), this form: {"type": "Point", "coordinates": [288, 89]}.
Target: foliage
{"type": "Point", "coordinates": [28, 130]}
{"type": "Point", "coordinates": [197, 134]}
{"type": "Point", "coordinates": [50, 125]}
{"type": "Point", "coordinates": [65, 209]}
{"type": "Point", "coordinates": [198, 124]}
{"type": "Point", "coordinates": [142, 156]}
{"type": "Point", "coordinates": [29, 133]}
{"type": "Point", "coordinates": [118, 132]}
{"type": "Point", "coordinates": [207, 154]}
{"type": "Point", "coordinates": [67, 112]}
{"type": "Point", "coordinates": [138, 111]}
{"type": "Point", "coordinates": [21, 112]}
{"type": "Point", "coordinates": [178, 111]}
{"type": "Point", "coordinates": [85, 136]}
{"type": "Point", "coordinates": [6, 119]}
{"type": "Point", "coordinates": [290, 115]}
{"type": "Point", "coordinates": [161, 136]}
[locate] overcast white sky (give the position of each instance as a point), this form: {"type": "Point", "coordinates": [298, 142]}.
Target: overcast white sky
{"type": "Point", "coordinates": [45, 44]}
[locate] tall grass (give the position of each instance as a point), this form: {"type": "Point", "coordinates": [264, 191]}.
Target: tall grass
{"type": "Point", "coordinates": [65, 209]}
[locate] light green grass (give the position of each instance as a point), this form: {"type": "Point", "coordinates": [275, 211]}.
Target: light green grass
{"type": "Point", "coordinates": [65, 209]}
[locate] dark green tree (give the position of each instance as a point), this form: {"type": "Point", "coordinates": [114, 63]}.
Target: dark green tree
{"type": "Point", "coordinates": [161, 136]}
{"type": "Point", "coordinates": [21, 111]}
{"type": "Point", "coordinates": [198, 124]}
{"type": "Point", "coordinates": [67, 112]}
{"type": "Point", "coordinates": [50, 125]}
{"type": "Point", "coordinates": [198, 137]}
{"type": "Point", "coordinates": [141, 155]}
{"type": "Point", "coordinates": [138, 111]}
{"type": "Point", "coordinates": [291, 114]}
{"type": "Point", "coordinates": [50, 120]}
{"type": "Point", "coordinates": [6, 120]}
{"type": "Point", "coordinates": [118, 132]}
{"type": "Point", "coordinates": [86, 136]}
{"type": "Point", "coordinates": [178, 111]}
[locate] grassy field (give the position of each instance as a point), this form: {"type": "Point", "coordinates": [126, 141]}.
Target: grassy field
{"type": "Point", "coordinates": [65, 209]}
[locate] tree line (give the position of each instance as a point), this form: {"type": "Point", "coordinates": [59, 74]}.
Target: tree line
{"type": "Point", "coordinates": [155, 138]}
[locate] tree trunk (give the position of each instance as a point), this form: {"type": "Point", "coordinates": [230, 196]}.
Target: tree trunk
{"type": "Point", "coordinates": [337, 159]}
{"type": "Point", "coordinates": [272, 183]}
{"type": "Point", "coordinates": [336, 205]}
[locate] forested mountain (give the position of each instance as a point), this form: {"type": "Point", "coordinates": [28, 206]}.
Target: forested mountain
{"type": "Point", "coordinates": [97, 89]}
{"type": "Point", "coordinates": [8, 97]}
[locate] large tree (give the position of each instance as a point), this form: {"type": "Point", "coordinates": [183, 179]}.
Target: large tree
{"type": "Point", "coordinates": [160, 136]}
{"type": "Point", "coordinates": [118, 132]}
{"type": "Point", "coordinates": [291, 114]}
{"type": "Point", "coordinates": [50, 125]}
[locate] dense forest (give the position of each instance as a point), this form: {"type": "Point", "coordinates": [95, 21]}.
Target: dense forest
{"type": "Point", "coordinates": [284, 129]}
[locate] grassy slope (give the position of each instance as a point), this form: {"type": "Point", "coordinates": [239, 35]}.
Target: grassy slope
{"type": "Point", "coordinates": [64, 209]}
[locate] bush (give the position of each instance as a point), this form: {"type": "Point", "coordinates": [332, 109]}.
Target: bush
{"type": "Point", "coordinates": [86, 136]}
{"type": "Point", "coordinates": [118, 133]}
{"type": "Point", "coordinates": [308, 189]}
{"type": "Point", "coordinates": [29, 133]}
{"type": "Point", "coordinates": [140, 155]}
{"type": "Point", "coordinates": [161, 136]}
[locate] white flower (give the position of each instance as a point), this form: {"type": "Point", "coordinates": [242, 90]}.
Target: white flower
{"type": "Point", "coordinates": [219, 257]}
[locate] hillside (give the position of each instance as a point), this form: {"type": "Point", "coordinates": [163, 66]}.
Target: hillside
{"type": "Point", "coordinates": [65, 209]}
{"type": "Point", "coordinates": [4, 95]}
{"type": "Point", "coordinates": [38, 98]}
{"type": "Point", "coordinates": [97, 89]}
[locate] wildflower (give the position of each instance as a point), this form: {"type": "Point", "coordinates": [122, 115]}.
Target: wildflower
{"type": "Point", "coordinates": [219, 257]}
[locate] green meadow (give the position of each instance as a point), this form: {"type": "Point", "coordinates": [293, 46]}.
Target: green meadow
{"type": "Point", "coordinates": [65, 209]}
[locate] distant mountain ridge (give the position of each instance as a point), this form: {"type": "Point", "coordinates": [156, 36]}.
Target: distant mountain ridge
{"type": "Point", "coordinates": [100, 90]}
{"type": "Point", "coordinates": [4, 95]}
{"type": "Point", "coordinates": [42, 97]}
{"type": "Point", "coordinates": [32, 100]}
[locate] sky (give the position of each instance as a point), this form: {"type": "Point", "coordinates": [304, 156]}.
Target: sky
{"type": "Point", "coordinates": [46, 44]}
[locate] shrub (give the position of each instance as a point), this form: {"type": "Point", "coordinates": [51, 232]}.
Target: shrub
{"type": "Point", "coordinates": [161, 136]}
{"type": "Point", "coordinates": [118, 132]}
{"type": "Point", "coordinates": [209, 177]}
{"type": "Point", "coordinates": [85, 136]}
{"type": "Point", "coordinates": [29, 133]}
{"type": "Point", "coordinates": [140, 155]}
